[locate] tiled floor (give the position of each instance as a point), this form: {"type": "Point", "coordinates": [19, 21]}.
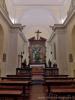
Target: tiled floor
{"type": "Point", "coordinates": [37, 92]}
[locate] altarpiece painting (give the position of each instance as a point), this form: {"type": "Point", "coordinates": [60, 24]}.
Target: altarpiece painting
{"type": "Point", "coordinates": [37, 51]}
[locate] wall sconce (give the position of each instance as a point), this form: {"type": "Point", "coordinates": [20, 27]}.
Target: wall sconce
{"type": "Point", "coordinates": [51, 52]}
{"type": "Point", "coordinates": [70, 58]}
{"type": "Point", "coordinates": [4, 57]}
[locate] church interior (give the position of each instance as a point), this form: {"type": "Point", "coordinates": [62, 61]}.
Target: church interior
{"type": "Point", "coordinates": [37, 49]}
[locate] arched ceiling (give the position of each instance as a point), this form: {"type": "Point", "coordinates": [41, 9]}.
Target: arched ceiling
{"type": "Point", "coordinates": [37, 14]}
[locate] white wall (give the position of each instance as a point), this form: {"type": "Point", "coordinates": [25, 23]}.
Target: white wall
{"type": "Point", "coordinates": [5, 27]}
{"type": "Point", "coordinates": [22, 47]}
{"type": "Point", "coordinates": [52, 41]}
{"type": "Point", "coordinates": [69, 29]}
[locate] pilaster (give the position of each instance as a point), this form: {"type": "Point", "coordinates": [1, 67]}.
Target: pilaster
{"type": "Point", "coordinates": [13, 54]}
{"type": "Point", "coordinates": [61, 56]}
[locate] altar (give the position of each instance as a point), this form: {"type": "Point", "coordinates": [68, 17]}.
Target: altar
{"type": "Point", "coordinates": [37, 72]}
{"type": "Point", "coordinates": [37, 69]}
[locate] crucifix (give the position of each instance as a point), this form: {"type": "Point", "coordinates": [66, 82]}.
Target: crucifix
{"type": "Point", "coordinates": [37, 34]}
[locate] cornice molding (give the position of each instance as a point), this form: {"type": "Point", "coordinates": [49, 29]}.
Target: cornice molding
{"type": "Point", "coordinates": [5, 16]}
{"type": "Point", "coordinates": [18, 28]}
{"type": "Point", "coordinates": [69, 17]}
{"type": "Point", "coordinates": [11, 25]}
{"type": "Point", "coordinates": [62, 26]}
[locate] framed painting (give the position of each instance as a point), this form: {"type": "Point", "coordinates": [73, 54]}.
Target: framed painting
{"type": "Point", "coordinates": [37, 51]}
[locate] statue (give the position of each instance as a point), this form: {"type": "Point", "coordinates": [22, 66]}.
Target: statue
{"type": "Point", "coordinates": [36, 54]}
{"type": "Point", "coordinates": [24, 64]}
{"type": "Point", "coordinates": [49, 63]}
{"type": "Point", "coordinates": [55, 65]}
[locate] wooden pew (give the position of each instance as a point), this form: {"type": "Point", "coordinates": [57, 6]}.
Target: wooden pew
{"type": "Point", "coordinates": [10, 94]}
{"type": "Point", "coordinates": [63, 92]}
{"type": "Point", "coordinates": [16, 78]}
{"type": "Point", "coordinates": [59, 75]}
{"type": "Point", "coordinates": [19, 75]}
{"type": "Point", "coordinates": [58, 82]}
{"type": "Point", "coordinates": [59, 78]}
{"type": "Point", "coordinates": [19, 79]}
{"type": "Point", "coordinates": [17, 85]}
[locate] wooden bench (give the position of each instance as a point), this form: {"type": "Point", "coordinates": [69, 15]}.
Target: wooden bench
{"type": "Point", "coordinates": [10, 94]}
{"type": "Point", "coordinates": [60, 98]}
{"type": "Point", "coordinates": [59, 78]}
{"type": "Point", "coordinates": [16, 78]}
{"type": "Point", "coordinates": [58, 82]}
{"type": "Point", "coordinates": [20, 75]}
{"type": "Point", "coordinates": [64, 85]}
{"type": "Point", "coordinates": [11, 85]}
{"type": "Point", "coordinates": [67, 91]}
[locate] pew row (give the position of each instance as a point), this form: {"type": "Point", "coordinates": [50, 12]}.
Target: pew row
{"type": "Point", "coordinates": [10, 94]}
{"type": "Point", "coordinates": [63, 92]}
{"type": "Point", "coordinates": [64, 85]}
{"type": "Point", "coordinates": [16, 78]}
{"type": "Point", "coordinates": [19, 75]}
{"type": "Point", "coordinates": [58, 78]}
{"type": "Point", "coordinates": [15, 85]}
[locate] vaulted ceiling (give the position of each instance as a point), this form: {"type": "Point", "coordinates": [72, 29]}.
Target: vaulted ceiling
{"type": "Point", "coordinates": [38, 14]}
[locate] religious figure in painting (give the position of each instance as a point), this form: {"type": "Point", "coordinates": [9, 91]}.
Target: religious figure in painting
{"type": "Point", "coordinates": [37, 49]}
{"type": "Point", "coordinates": [36, 54]}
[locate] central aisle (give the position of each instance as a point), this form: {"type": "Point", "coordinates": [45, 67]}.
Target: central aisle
{"type": "Point", "coordinates": [37, 92]}
{"type": "Point", "coordinates": [37, 89]}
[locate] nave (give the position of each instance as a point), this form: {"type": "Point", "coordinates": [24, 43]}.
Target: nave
{"type": "Point", "coordinates": [37, 49]}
